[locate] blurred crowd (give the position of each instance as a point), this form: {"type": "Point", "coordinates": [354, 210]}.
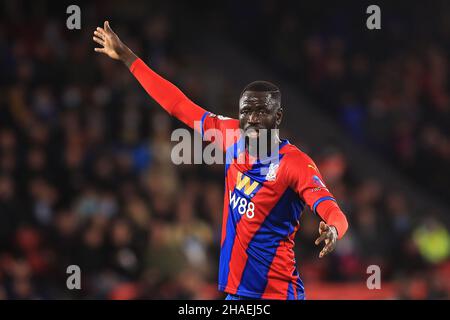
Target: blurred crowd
{"type": "Point", "coordinates": [86, 177]}
{"type": "Point", "coordinates": [389, 88]}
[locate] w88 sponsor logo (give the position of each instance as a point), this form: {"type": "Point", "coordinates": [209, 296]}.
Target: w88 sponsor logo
{"type": "Point", "coordinates": [243, 205]}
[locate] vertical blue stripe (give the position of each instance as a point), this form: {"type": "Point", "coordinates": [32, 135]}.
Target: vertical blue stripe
{"type": "Point", "coordinates": [297, 207]}
{"type": "Point", "coordinates": [300, 289]}
{"type": "Point", "coordinates": [290, 292]}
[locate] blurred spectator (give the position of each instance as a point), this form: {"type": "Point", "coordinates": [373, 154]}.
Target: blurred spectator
{"type": "Point", "coordinates": [433, 240]}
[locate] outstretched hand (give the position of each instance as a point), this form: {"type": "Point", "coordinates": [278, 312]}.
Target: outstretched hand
{"type": "Point", "coordinates": [329, 234]}
{"type": "Point", "coordinates": [111, 44]}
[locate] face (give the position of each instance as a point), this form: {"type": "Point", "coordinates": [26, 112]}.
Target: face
{"type": "Point", "coordinates": [259, 110]}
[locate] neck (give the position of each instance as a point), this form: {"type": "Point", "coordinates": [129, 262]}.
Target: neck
{"type": "Point", "coordinates": [259, 148]}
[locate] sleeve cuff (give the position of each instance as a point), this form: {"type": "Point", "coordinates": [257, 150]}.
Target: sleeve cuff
{"type": "Point", "coordinates": [339, 221]}
{"type": "Point", "coordinates": [318, 201]}
{"type": "Point", "coordinates": [330, 212]}
{"type": "Point", "coordinates": [202, 121]}
{"type": "Point", "coordinates": [134, 64]}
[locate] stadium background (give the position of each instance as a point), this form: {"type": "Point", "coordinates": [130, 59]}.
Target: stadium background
{"type": "Point", "coordinates": [85, 170]}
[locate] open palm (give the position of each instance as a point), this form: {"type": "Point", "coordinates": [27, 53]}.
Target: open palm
{"type": "Point", "coordinates": [112, 46]}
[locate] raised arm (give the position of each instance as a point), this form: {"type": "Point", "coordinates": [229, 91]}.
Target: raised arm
{"type": "Point", "coordinates": [162, 91]}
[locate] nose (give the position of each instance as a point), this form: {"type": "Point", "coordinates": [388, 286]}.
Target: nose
{"type": "Point", "coordinates": [254, 118]}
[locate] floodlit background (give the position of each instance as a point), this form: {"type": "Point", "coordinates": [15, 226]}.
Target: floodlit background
{"type": "Point", "coordinates": [85, 170]}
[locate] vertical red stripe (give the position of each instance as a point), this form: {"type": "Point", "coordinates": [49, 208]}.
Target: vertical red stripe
{"type": "Point", "coordinates": [277, 286]}
{"type": "Point", "coordinates": [294, 278]}
{"type": "Point", "coordinates": [281, 270]}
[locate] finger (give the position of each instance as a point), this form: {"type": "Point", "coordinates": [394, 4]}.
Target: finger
{"type": "Point", "coordinates": [99, 41]}
{"type": "Point", "coordinates": [323, 226]}
{"type": "Point", "coordinates": [321, 238]}
{"type": "Point", "coordinates": [102, 50]}
{"type": "Point", "coordinates": [100, 35]}
{"type": "Point", "coordinates": [327, 249]}
{"type": "Point", "coordinates": [101, 31]}
{"type": "Point", "coordinates": [324, 252]}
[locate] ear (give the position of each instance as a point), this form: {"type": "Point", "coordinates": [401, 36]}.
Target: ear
{"type": "Point", "coordinates": [279, 116]}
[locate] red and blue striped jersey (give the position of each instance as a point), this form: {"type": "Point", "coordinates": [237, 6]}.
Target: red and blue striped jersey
{"type": "Point", "coordinates": [262, 208]}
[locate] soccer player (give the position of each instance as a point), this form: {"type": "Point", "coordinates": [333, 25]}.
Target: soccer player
{"type": "Point", "coordinates": [263, 200]}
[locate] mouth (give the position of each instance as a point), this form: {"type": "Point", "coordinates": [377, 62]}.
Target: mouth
{"type": "Point", "coordinates": [252, 132]}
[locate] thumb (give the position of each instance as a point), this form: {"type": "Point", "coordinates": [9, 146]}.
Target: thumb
{"type": "Point", "coordinates": [323, 226]}
{"type": "Point", "coordinates": [107, 26]}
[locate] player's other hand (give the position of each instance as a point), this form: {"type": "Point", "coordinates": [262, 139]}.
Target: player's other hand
{"type": "Point", "coordinates": [329, 234]}
{"type": "Point", "coordinates": [112, 46]}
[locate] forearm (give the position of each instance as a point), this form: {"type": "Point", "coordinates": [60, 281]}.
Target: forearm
{"type": "Point", "coordinates": [128, 57]}
{"type": "Point", "coordinates": [166, 94]}
{"type": "Point", "coordinates": [330, 212]}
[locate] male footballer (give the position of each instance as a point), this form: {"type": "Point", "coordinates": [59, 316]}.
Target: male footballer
{"type": "Point", "coordinates": [263, 200]}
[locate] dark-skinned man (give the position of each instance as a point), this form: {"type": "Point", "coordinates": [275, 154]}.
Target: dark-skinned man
{"type": "Point", "coordinates": [264, 195]}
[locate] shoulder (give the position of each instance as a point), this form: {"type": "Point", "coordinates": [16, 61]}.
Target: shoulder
{"type": "Point", "coordinates": [219, 117]}
{"type": "Point", "coordinates": [220, 120]}
{"type": "Point", "coordinates": [297, 164]}
{"type": "Point", "coordinates": [293, 155]}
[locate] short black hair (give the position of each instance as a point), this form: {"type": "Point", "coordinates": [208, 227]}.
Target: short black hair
{"type": "Point", "coordinates": [264, 86]}
{"type": "Point", "coordinates": [261, 86]}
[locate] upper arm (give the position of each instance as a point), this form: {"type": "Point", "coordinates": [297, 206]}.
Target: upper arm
{"type": "Point", "coordinates": [304, 177]}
